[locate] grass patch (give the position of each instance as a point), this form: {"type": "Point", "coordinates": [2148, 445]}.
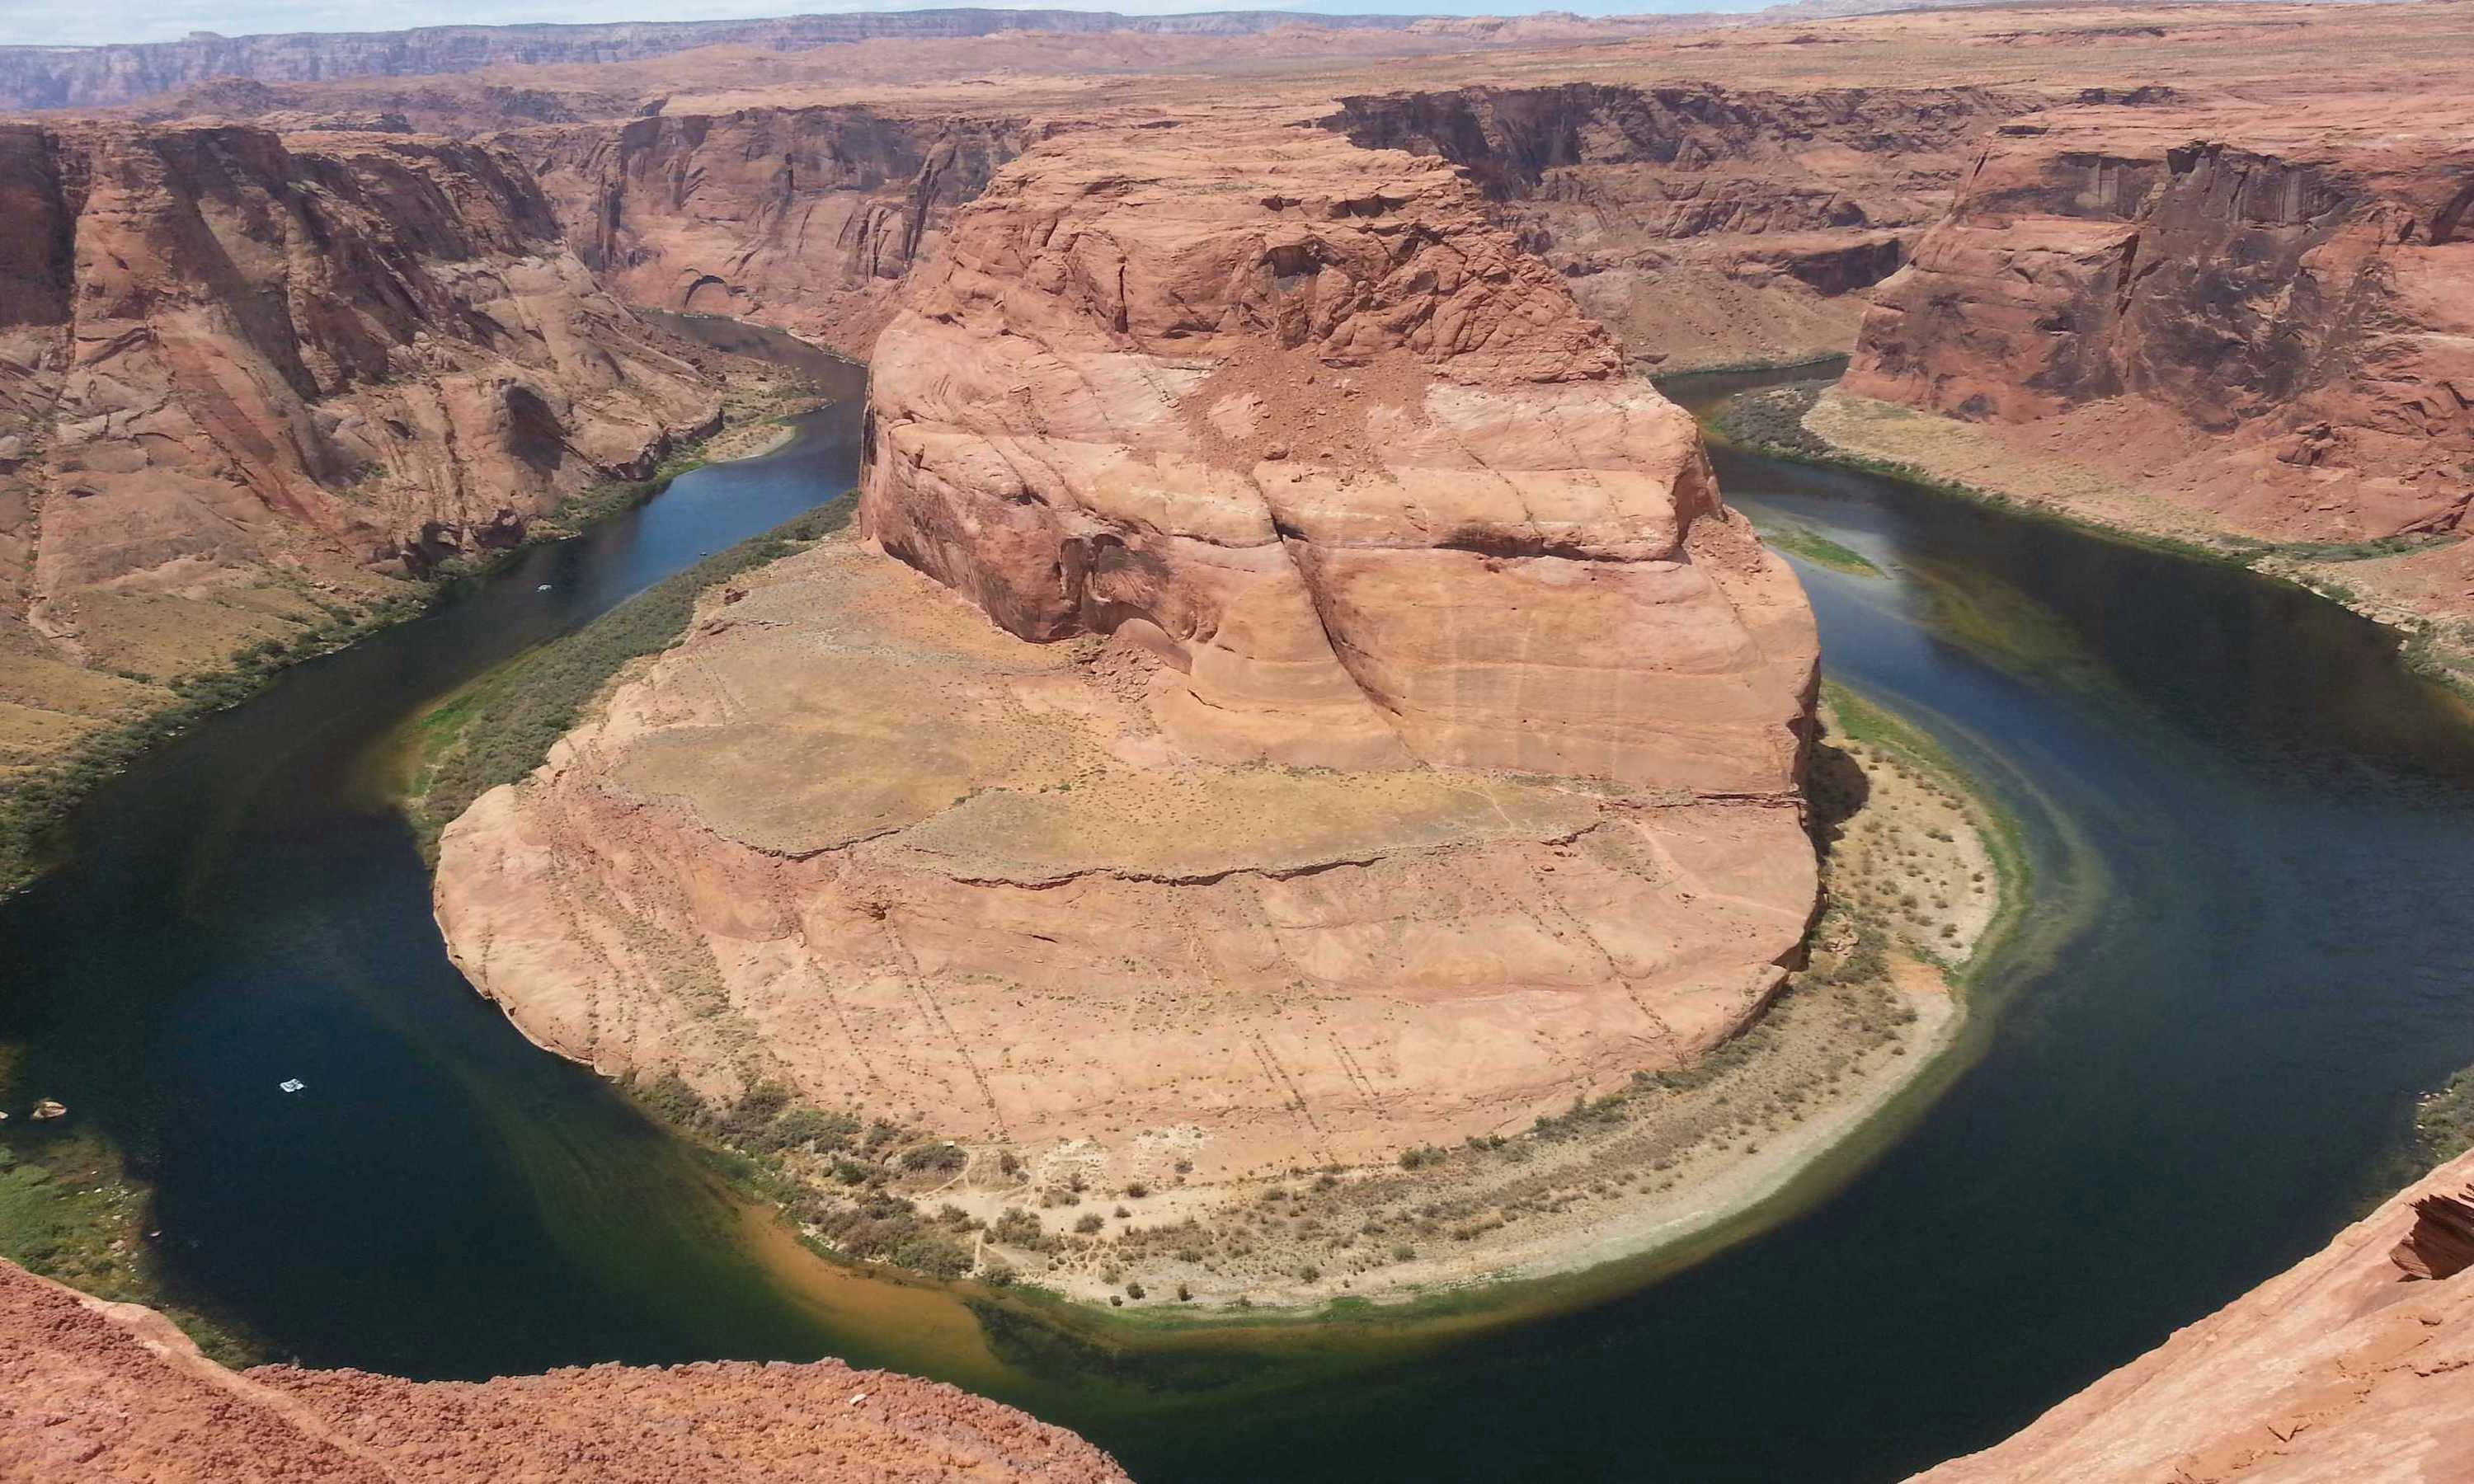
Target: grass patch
{"type": "Point", "coordinates": [2443, 1122]}
{"type": "Point", "coordinates": [1820, 550]}
{"type": "Point", "coordinates": [34, 803]}
{"type": "Point", "coordinates": [500, 728]}
{"type": "Point", "coordinates": [69, 1211]}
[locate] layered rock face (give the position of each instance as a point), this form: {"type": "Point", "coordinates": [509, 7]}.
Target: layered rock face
{"type": "Point", "coordinates": [113, 1394]}
{"type": "Point", "coordinates": [1383, 733]}
{"type": "Point", "coordinates": [803, 218]}
{"type": "Point", "coordinates": [2281, 297]}
{"type": "Point", "coordinates": [225, 352]}
{"type": "Point", "coordinates": [2348, 1367]}
{"type": "Point", "coordinates": [1350, 461]}
{"type": "Point", "coordinates": [1705, 224]}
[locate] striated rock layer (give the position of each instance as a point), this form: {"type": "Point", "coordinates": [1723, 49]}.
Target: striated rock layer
{"type": "Point", "coordinates": [2262, 313]}
{"type": "Point", "coordinates": [113, 1393]}
{"type": "Point", "coordinates": [2346, 1369]}
{"type": "Point", "coordinates": [1706, 225]}
{"type": "Point", "coordinates": [803, 218]}
{"type": "Point", "coordinates": [222, 349]}
{"type": "Point", "coordinates": [1331, 711]}
{"type": "Point", "coordinates": [1301, 419]}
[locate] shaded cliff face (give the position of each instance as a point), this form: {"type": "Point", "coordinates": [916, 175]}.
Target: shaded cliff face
{"type": "Point", "coordinates": [2291, 289]}
{"type": "Point", "coordinates": [1704, 225]}
{"type": "Point", "coordinates": [1384, 734]}
{"type": "Point", "coordinates": [225, 354]}
{"type": "Point", "coordinates": [803, 218]}
{"type": "Point", "coordinates": [112, 1393]}
{"type": "Point", "coordinates": [2346, 1367]}
{"type": "Point", "coordinates": [53, 77]}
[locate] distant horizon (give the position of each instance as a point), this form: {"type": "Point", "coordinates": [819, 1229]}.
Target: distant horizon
{"type": "Point", "coordinates": [124, 22]}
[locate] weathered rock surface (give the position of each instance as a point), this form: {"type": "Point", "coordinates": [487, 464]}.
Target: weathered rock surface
{"type": "Point", "coordinates": [2343, 1370]}
{"type": "Point", "coordinates": [1384, 733]}
{"type": "Point", "coordinates": [1352, 463]}
{"type": "Point", "coordinates": [802, 218]}
{"type": "Point", "coordinates": [2263, 313]}
{"type": "Point", "coordinates": [113, 1394]}
{"type": "Point", "coordinates": [1706, 225]}
{"type": "Point", "coordinates": [225, 354]}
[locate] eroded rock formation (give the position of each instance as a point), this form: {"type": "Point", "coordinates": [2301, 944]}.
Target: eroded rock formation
{"type": "Point", "coordinates": [2262, 313]}
{"type": "Point", "coordinates": [2340, 1369]}
{"type": "Point", "coordinates": [113, 1394]}
{"type": "Point", "coordinates": [225, 354]}
{"type": "Point", "coordinates": [803, 218]}
{"type": "Point", "coordinates": [1705, 224]}
{"type": "Point", "coordinates": [1384, 732]}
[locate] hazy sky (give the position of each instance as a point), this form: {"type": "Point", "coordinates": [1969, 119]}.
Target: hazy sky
{"type": "Point", "coordinates": [57, 22]}
{"type": "Point", "coordinates": [79, 22]}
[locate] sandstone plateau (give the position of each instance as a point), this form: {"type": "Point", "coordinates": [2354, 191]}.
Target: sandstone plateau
{"type": "Point", "coordinates": [1300, 698]}
{"type": "Point", "coordinates": [111, 1393]}
{"type": "Point", "coordinates": [2346, 1367]}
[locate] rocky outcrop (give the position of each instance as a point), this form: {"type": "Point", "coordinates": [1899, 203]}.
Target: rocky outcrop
{"type": "Point", "coordinates": [2277, 301]}
{"type": "Point", "coordinates": [803, 218]}
{"type": "Point", "coordinates": [1384, 733]}
{"type": "Point", "coordinates": [228, 353]}
{"type": "Point", "coordinates": [1316, 430]}
{"type": "Point", "coordinates": [1702, 223]}
{"type": "Point", "coordinates": [113, 1394]}
{"type": "Point", "coordinates": [56, 77]}
{"type": "Point", "coordinates": [2344, 1368]}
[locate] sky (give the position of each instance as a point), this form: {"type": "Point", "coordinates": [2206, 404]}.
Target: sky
{"type": "Point", "coordinates": [86, 22]}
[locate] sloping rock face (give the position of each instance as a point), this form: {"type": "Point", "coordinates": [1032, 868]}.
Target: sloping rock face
{"type": "Point", "coordinates": [113, 1394]}
{"type": "Point", "coordinates": [2343, 1370]}
{"type": "Point", "coordinates": [2290, 290]}
{"type": "Point", "coordinates": [224, 351]}
{"type": "Point", "coordinates": [1705, 224]}
{"type": "Point", "coordinates": [1318, 431]}
{"type": "Point", "coordinates": [802, 218]}
{"type": "Point", "coordinates": [1384, 734]}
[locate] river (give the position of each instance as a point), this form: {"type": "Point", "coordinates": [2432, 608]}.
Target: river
{"type": "Point", "coordinates": [2254, 837]}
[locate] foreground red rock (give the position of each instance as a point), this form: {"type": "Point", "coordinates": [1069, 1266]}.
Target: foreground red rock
{"type": "Point", "coordinates": [1384, 734]}
{"type": "Point", "coordinates": [113, 1394]}
{"type": "Point", "coordinates": [2343, 1370]}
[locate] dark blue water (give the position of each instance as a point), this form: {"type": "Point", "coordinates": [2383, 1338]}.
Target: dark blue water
{"type": "Point", "coordinates": [2254, 835]}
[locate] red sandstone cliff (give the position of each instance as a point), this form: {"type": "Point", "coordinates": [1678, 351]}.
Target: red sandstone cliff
{"type": "Point", "coordinates": [803, 218]}
{"type": "Point", "coordinates": [2343, 1370]}
{"type": "Point", "coordinates": [2262, 314]}
{"type": "Point", "coordinates": [1122, 396]}
{"type": "Point", "coordinates": [1702, 223]}
{"type": "Point", "coordinates": [226, 353]}
{"type": "Point", "coordinates": [113, 1393]}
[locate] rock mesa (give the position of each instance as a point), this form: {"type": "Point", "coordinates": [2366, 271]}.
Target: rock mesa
{"type": "Point", "coordinates": [1320, 704]}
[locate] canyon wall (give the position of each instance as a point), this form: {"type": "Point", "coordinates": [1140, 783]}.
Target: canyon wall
{"type": "Point", "coordinates": [1705, 224]}
{"type": "Point", "coordinates": [2263, 315]}
{"type": "Point", "coordinates": [802, 218]}
{"type": "Point", "coordinates": [1322, 706]}
{"type": "Point", "coordinates": [113, 1394]}
{"type": "Point", "coordinates": [2356, 1366]}
{"type": "Point", "coordinates": [238, 369]}
{"type": "Point", "coordinates": [55, 77]}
